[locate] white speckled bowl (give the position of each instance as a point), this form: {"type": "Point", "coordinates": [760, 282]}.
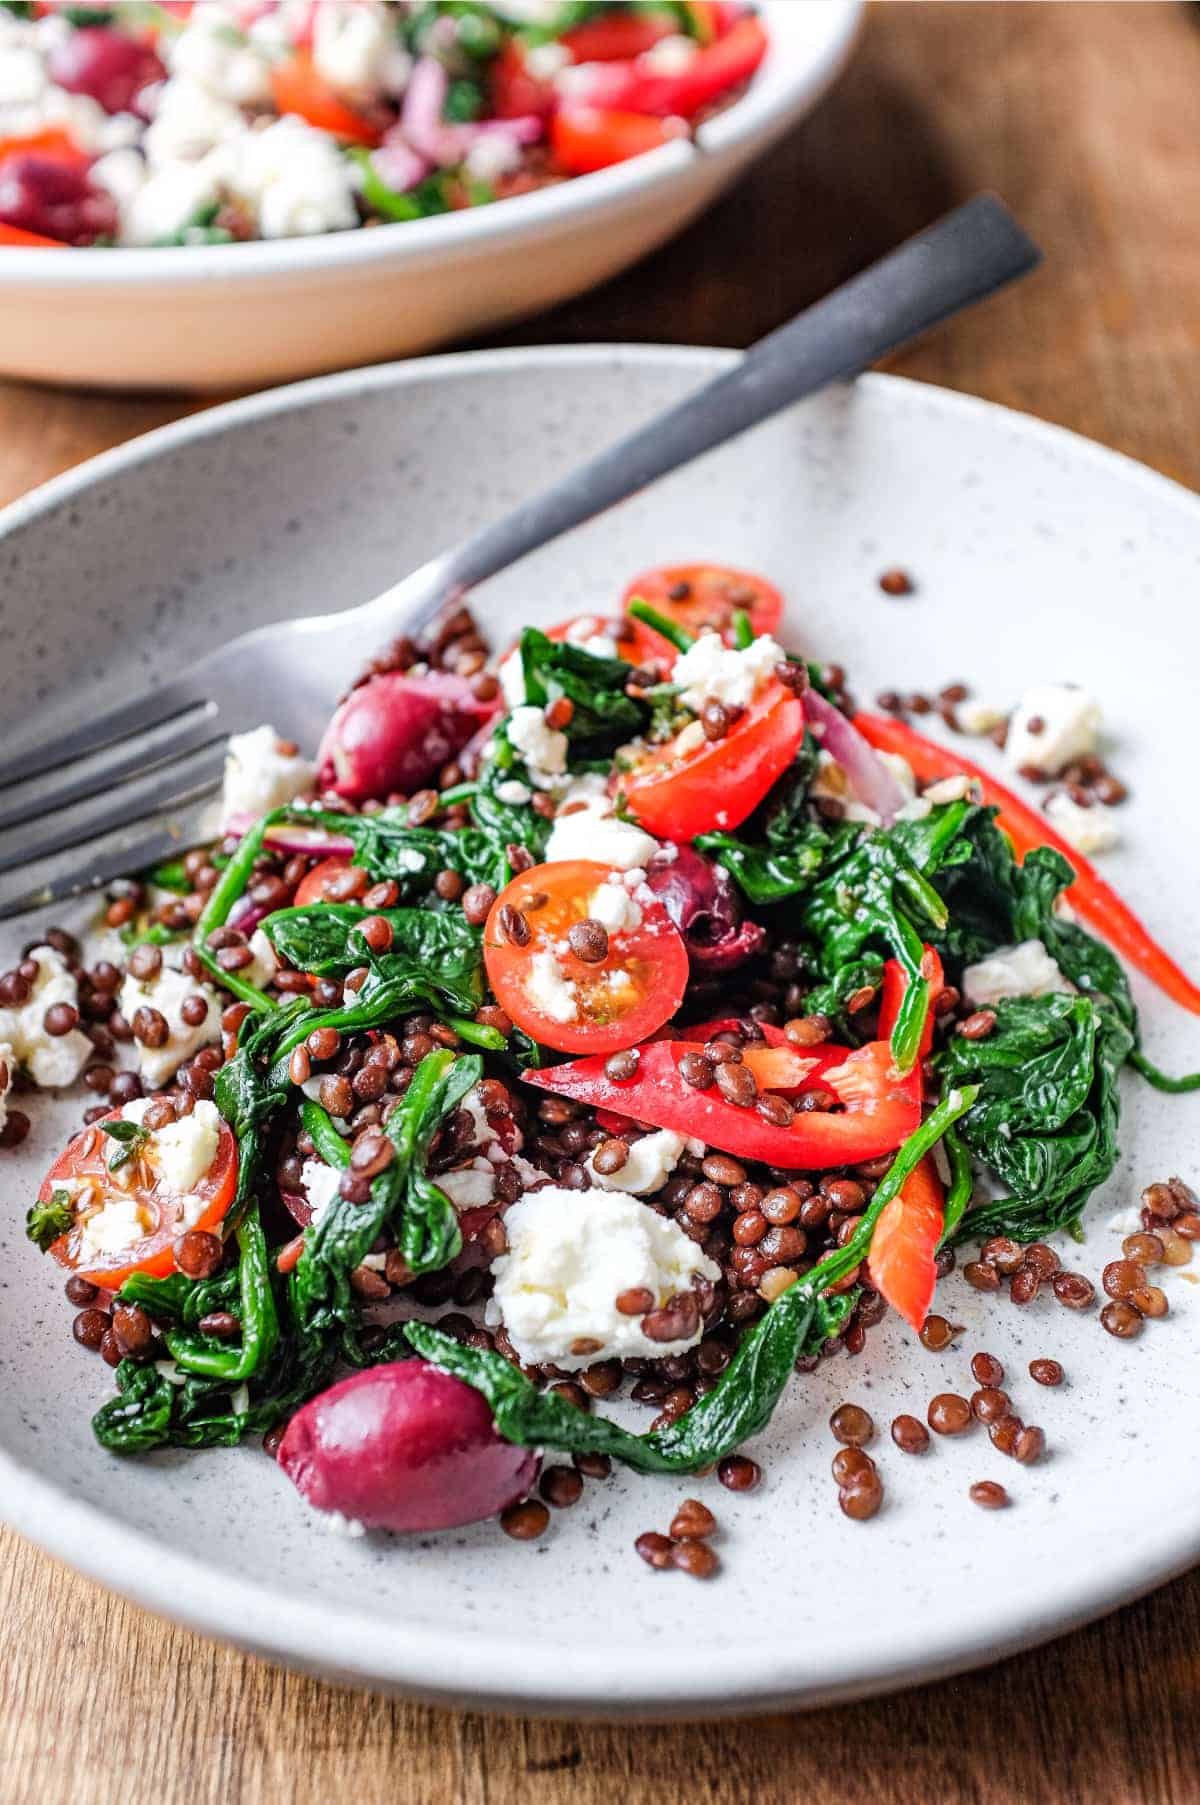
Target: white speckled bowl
{"type": "Point", "coordinates": [244, 315]}
{"type": "Point", "coordinates": [1036, 555]}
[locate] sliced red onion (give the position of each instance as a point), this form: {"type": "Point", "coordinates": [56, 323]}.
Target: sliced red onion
{"type": "Point", "coordinates": [425, 131]}
{"type": "Point", "coordinates": [314, 842]}
{"type": "Point", "coordinates": [399, 165]}
{"type": "Point", "coordinates": [869, 778]}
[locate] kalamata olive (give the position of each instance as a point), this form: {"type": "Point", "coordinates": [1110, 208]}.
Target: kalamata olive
{"type": "Point", "coordinates": [106, 65]}
{"type": "Point", "coordinates": [395, 732]}
{"type": "Point", "coordinates": [40, 194]}
{"type": "Point", "coordinates": [406, 1447]}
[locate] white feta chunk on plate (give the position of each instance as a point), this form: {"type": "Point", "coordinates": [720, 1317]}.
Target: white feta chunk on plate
{"type": "Point", "coordinates": [543, 748]}
{"type": "Point", "coordinates": [651, 1162]}
{"type": "Point", "coordinates": [1052, 726]}
{"type": "Point", "coordinates": [263, 965]}
{"type": "Point", "coordinates": [586, 827]}
{"type": "Point", "coordinates": [550, 989]}
{"type": "Point", "coordinates": [1026, 970]}
{"type": "Point", "coordinates": [614, 908]}
{"type": "Point", "coordinates": [189, 121]}
{"type": "Point", "coordinates": [469, 1187]}
{"type": "Point", "coordinates": [51, 1060]}
{"type": "Point", "coordinates": [320, 1184]}
{"type": "Point", "coordinates": [164, 200]}
{"type": "Point", "coordinates": [167, 992]}
{"type": "Point", "coordinates": [260, 777]}
{"type": "Point", "coordinates": [182, 1150]}
{"type": "Point", "coordinates": [570, 1256]}
{"type": "Point", "coordinates": [1089, 830]}
{"type": "Point", "coordinates": [711, 671]}
{"type": "Point", "coordinates": [112, 1228]}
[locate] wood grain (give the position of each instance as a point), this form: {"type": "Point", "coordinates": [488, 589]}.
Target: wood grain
{"type": "Point", "coordinates": [1083, 118]}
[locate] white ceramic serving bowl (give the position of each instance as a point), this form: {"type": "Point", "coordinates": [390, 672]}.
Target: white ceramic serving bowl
{"type": "Point", "coordinates": [1036, 555]}
{"type": "Point", "coordinates": [244, 315]}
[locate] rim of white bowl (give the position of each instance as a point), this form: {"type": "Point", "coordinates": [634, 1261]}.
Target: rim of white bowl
{"type": "Point", "coordinates": [459, 1667]}
{"type": "Point", "coordinates": [772, 98]}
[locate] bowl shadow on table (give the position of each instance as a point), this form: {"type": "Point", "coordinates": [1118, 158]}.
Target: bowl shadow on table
{"type": "Point", "coordinates": [866, 170]}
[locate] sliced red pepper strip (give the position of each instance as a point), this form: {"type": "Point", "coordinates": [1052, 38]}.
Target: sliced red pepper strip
{"type": "Point", "coordinates": [903, 1248]}
{"type": "Point", "coordinates": [1095, 899]}
{"type": "Point", "coordinates": [895, 983]}
{"type": "Point", "coordinates": [881, 1109]}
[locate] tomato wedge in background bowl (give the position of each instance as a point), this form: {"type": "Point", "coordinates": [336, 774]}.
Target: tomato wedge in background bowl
{"type": "Point", "coordinates": [630, 980]}
{"type": "Point", "coordinates": [692, 784]}
{"type": "Point", "coordinates": [134, 1188]}
{"type": "Point", "coordinates": [696, 596]}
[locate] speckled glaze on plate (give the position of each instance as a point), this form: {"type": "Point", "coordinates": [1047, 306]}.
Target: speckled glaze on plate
{"type": "Point", "coordinates": [1035, 554]}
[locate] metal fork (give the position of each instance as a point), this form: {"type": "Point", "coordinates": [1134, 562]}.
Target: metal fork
{"type": "Point", "coordinates": [117, 792]}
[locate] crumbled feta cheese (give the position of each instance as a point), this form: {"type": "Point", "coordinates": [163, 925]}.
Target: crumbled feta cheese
{"type": "Point", "coordinates": [182, 1150]}
{"type": "Point", "coordinates": [711, 671]}
{"type": "Point", "coordinates": [264, 963]}
{"type": "Point", "coordinates": [590, 634]}
{"type": "Point", "coordinates": [1067, 721]}
{"type": "Point", "coordinates": [320, 1183]}
{"type": "Point", "coordinates": [338, 1525]}
{"type": "Point", "coordinates": [514, 792]}
{"type": "Point", "coordinates": [189, 121]}
{"type": "Point", "coordinates": [593, 831]}
{"type": "Point", "coordinates": [949, 789]}
{"type": "Point", "coordinates": [493, 154]}
{"type": "Point", "coordinates": [549, 988]}
{"type": "Point", "coordinates": [165, 200]}
{"type": "Point", "coordinates": [1088, 829]}
{"type": "Point", "coordinates": [614, 908]}
{"type": "Point", "coordinates": [979, 717]}
{"type": "Point", "coordinates": [511, 672]}
{"type": "Point", "coordinates": [543, 748]}
{"type": "Point", "coordinates": [122, 173]}
{"type": "Point", "coordinates": [651, 1162]}
{"type": "Point", "coordinates": [8, 1067]}
{"type": "Point", "coordinates": [570, 1255]}
{"type": "Point", "coordinates": [546, 61]}
{"type": "Point", "coordinates": [52, 1060]}
{"type": "Point", "coordinates": [213, 51]}
{"type": "Point", "coordinates": [166, 992]}
{"type": "Point", "coordinates": [469, 1187]}
{"type": "Point", "coordinates": [112, 1228]}
{"type": "Point", "coordinates": [259, 777]}
{"type": "Point", "coordinates": [353, 45]}
{"type": "Point", "coordinates": [1026, 970]}
{"type": "Point", "coordinates": [291, 176]}
{"type": "Point", "coordinates": [670, 56]}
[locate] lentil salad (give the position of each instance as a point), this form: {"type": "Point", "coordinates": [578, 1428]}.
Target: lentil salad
{"type": "Point", "coordinates": [178, 124]}
{"type": "Point", "coordinates": [351, 1008]}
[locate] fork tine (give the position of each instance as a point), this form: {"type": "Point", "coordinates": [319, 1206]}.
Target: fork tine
{"type": "Point", "coordinates": [144, 844]}
{"type": "Point", "coordinates": [132, 758]}
{"type": "Point", "coordinates": [148, 710]}
{"type": "Point", "coordinates": [166, 788]}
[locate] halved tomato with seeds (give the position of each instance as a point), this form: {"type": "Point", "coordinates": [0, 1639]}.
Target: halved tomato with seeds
{"type": "Point", "coordinates": [140, 1199]}
{"type": "Point", "coordinates": [696, 596]}
{"type": "Point", "coordinates": [693, 784]}
{"type": "Point", "coordinates": [570, 986]}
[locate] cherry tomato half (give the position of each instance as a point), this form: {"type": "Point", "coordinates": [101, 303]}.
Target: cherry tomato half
{"type": "Point", "coordinates": [573, 1004]}
{"type": "Point", "coordinates": [313, 886]}
{"type": "Point", "coordinates": [693, 785]}
{"type": "Point", "coordinates": [701, 595]}
{"type": "Point", "coordinates": [160, 1208]}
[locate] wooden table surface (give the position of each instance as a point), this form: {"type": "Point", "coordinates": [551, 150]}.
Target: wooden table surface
{"type": "Point", "coordinates": [1083, 117]}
